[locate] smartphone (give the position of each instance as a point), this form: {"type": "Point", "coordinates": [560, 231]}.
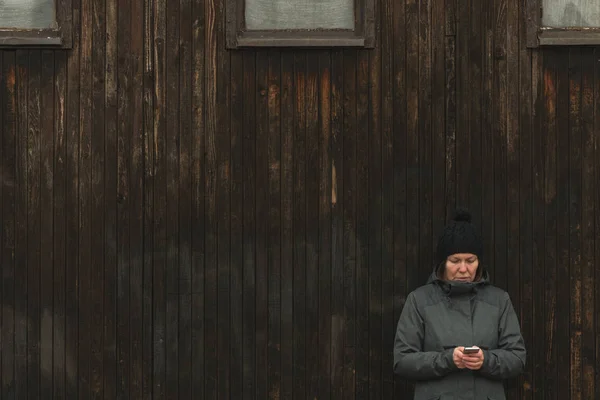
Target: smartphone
{"type": "Point", "coordinates": [470, 350]}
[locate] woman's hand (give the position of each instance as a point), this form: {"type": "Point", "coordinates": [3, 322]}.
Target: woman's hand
{"type": "Point", "coordinates": [473, 361]}
{"type": "Point", "coordinates": [457, 356]}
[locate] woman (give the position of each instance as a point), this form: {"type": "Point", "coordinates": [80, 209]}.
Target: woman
{"type": "Point", "coordinates": [458, 308]}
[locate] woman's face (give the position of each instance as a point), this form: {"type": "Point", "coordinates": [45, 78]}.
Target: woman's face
{"type": "Point", "coordinates": [461, 267]}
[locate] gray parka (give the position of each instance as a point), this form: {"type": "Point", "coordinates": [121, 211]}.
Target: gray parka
{"type": "Point", "coordinates": [440, 316]}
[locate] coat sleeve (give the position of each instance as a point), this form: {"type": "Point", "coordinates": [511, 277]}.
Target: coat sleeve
{"type": "Point", "coordinates": [508, 360]}
{"type": "Point", "coordinates": [410, 361]}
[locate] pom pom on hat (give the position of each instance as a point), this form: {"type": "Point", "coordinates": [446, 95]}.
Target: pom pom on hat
{"type": "Point", "coordinates": [462, 214]}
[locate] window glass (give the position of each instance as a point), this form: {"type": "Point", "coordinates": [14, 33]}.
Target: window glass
{"type": "Point", "coordinates": [299, 14]}
{"type": "Point", "coordinates": [571, 13]}
{"type": "Point", "coordinates": [27, 14]}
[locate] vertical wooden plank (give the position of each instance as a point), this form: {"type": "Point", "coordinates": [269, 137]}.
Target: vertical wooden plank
{"type": "Point", "coordinates": [124, 208]}
{"type": "Point", "coordinates": [115, 385]}
{"type": "Point", "coordinates": [136, 203]}
{"type": "Point", "coordinates": [171, 165]}
{"type": "Point", "coordinates": [439, 189]}
{"type": "Point", "coordinates": [513, 140]}
{"type": "Point", "coordinates": [148, 209]}
{"type": "Point", "coordinates": [575, 169]}
{"type": "Point", "coordinates": [563, 352]}
{"type": "Point", "coordinates": [324, 241]}
{"type": "Point", "coordinates": [300, 355]}
{"type": "Point", "coordinates": [274, 224]}
{"type": "Point", "coordinates": [489, 131]}
{"type": "Point", "coordinates": [287, 231]}
{"type": "Point", "coordinates": [348, 194]}
{"type": "Point", "coordinates": [197, 220]}
{"type": "Point", "coordinates": [72, 297]}
{"type": "Point", "coordinates": [8, 116]}
{"type": "Point", "coordinates": [237, 110]}
{"type": "Point", "coordinates": [46, 141]}
{"type": "Point", "coordinates": [313, 352]}
{"type": "Point", "coordinates": [425, 178]}
{"type": "Point", "coordinates": [412, 143]}
{"type": "Point", "coordinates": [85, 205]}
{"type": "Point", "coordinates": [547, 153]}
{"type": "Point", "coordinates": [185, 199]}
{"type": "Point", "coordinates": [588, 218]}
{"type": "Point", "coordinates": [375, 215]}
{"type": "Point", "coordinates": [388, 324]}
{"type": "Point", "coordinates": [62, 353]}
{"type": "Point", "coordinates": [450, 17]}
{"type": "Point", "coordinates": [476, 187]}
{"type": "Point", "coordinates": [223, 148]}
{"type": "Point", "coordinates": [97, 198]}
{"type": "Point", "coordinates": [159, 294]}
{"type": "Point", "coordinates": [211, 76]}
{"type": "Point", "coordinates": [33, 150]}
{"type": "Point", "coordinates": [249, 338]}
{"type": "Point", "coordinates": [363, 143]}
{"type": "Point", "coordinates": [450, 108]}
{"type": "Point", "coordinates": [500, 132]}
{"type": "Point", "coordinates": [463, 97]}
{"type": "Point", "coordinates": [338, 324]}
{"type": "Point", "coordinates": [596, 282]}
{"type": "Point", "coordinates": [527, 313]}
{"type": "Point", "coordinates": [20, 65]}
{"type": "Point", "coordinates": [550, 227]}
{"type": "Point", "coordinates": [399, 45]}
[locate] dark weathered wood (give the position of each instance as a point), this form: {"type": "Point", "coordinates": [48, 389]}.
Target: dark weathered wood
{"type": "Point", "coordinates": [569, 37]}
{"type": "Point", "coordinates": [185, 148]}
{"type": "Point", "coordinates": [197, 194]}
{"type": "Point", "coordinates": [20, 66]}
{"type": "Point", "coordinates": [97, 201]}
{"type": "Point", "coordinates": [120, 108]}
{"type": "Point", "coordinates": [273, 146]}
{"type": "Point", "coordinates": [148, 208]}
{"type": "Point", "coordinates": [313, 351]}
{"type": "Point", "coordinates": [34, 215]}
{"type": "Point", "coordinates": [588, 218]}
{"type": "Point", "coordinates": [338, 327]}
{"type": "Point", "coordinates": [237, 226]}
{"type": "Point", "coordinates": [563, 296]}
{"type": "Point", "coordinates": [223, 207]}
{"type": "Point", "coordinates": [159, 203]}
{"type": "Point", "coordinates": [323, 144]}
{"type": "Point", "coordinates": [181, 220]}
{"type": "Point", "coordinates": [261, 210]}
{"type": "Point", "coordinates": [72, 116]}
{"type": "Point", "coordinates": [361, 338]}
{"type": "Point", "coordinates": [171, 167]}
{"type": "Point", "coordinates": [388, 317]}
{"type": "Point", "coordinates": [300, 221]}
{"type": "Point", "coordinates": [115, 231]}
{"type": "Point", "coordinates": [249, 340]}
{"type": "Point", "coordinates": [136, 196]}
{"type": "Point", "coordinates": [8, 117]}
{"type": "Point", "coordinates": [347, 195]}
{"type": "Point", "coordinates": [575, 223]}
{"type": "Point", "coordinates": [47, 317]}
{"type": "Point", "coordinates": [531, 16]}
{"type": "Point", "coordinates": [287, 228]}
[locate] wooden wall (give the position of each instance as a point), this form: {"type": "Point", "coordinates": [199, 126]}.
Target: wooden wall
{"type": "Point", "coordinates": [182, 221]}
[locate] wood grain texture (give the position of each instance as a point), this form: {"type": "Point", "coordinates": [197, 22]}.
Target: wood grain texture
{"type": "Point", "coordinates": [183, 220]}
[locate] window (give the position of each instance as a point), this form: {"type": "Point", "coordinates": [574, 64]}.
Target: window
{"type": "Point", "coordinates": [294, 23]}
{"type": "Point", "coordinates": [35, 23]}
{"type": "Point", "coordinates": [563, 22]}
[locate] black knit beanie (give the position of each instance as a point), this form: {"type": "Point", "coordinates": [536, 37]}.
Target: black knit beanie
{"type": "Point", "coordinates": [459, 236]}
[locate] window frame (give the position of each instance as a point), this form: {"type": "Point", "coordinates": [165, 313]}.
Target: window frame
{"type": "Point", "coordinates": [538, 35]}
{"type": "Point", "coordinates": [59, 37]}
{"type": "Point", "coordinates": [363, 36]}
